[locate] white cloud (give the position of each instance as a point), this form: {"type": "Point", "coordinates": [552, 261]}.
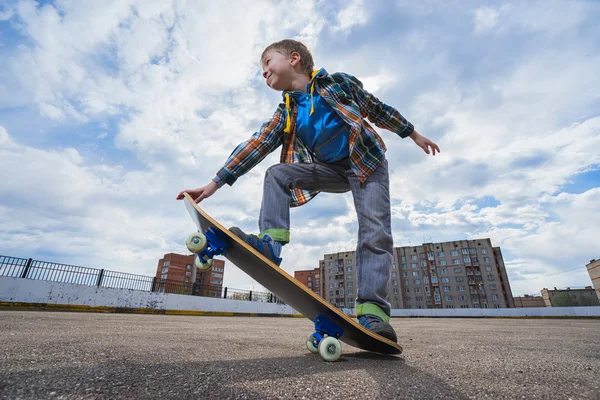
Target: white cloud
{"type": "Point", "coordinates": [353, 14]}
{"type": "Point", "coordinates": [514, 126]}
{"type": "Point", "coordinates": [485, 19]}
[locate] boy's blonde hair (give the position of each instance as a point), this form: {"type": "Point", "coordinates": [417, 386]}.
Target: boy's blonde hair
{"type": "Point", "coordinates": [287, 47]}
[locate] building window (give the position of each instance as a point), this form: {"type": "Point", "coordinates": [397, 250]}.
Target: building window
{"type": "Point", "coordinates": [486, 259]}
{"type": "Point", "coordinates": [448, 298]}
{"type": "Point", "coordinates": [457, 270]}
{"type": "Point", "coordinates": [189, 266]}
{"type": "Point", "coordinates": [460, 279]}
{"type": "Point", "coordinates": [455, 261]}
{"type": "Point", "coordinates": [491, 277]}
{"type": "Point", "coordinates": [395, 282]}
{"type": "Point", "coordinates": [467, 259]}
{"type": "Point", "coordinates": [441, 254]}
{"type": "Point", "coordinates": [483, 251]}
{"type": "Point", "coordinates": [443, 271]}
{"type": "Point", "coordinates": [445, 280]}
{"type": "Point", "coordinates": [188, 273]}
{"type": "Point", "coordinates": [165, 270]}
{"type": "Point", "coordinates": [415, 273]}
{"type": "Point", "coordinates": [446, 288]}
{"type": "Point", "coordinates": [492, 287]}
{"type": "Point", "coordinates": [166, 264]}
{"type": "Point", "coordinates": [473, 251]}
{"type": "Point", "coordinates": [417, 281]}
{"type": "Point", "coordinates": [317, 276]}
{"type": "Point", "coordinates": [461, 288]}
{"type": "Point", "coordinates": [413, 257]}
{"type": "Point", "coordinates": [414, 265]}
{"type": "Point", "coordinates": [454, 253]}
{"type": "Point", "coordinates": [494, 297]}
{"type": "Point", "coordinates": [465, 251]}
{"type": "Point", "coordinates": [164, 276]}
{"type": "Point", "coordinates": [442, 262]}
{"type": "Point", "coordinates": [488, 269]}
{"type": "Point", "coordinates": [187, 279]}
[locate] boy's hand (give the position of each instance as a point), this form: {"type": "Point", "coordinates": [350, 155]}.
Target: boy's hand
{"type": "Point", "coordinates": [424, 143]}
{"type": "Point", "coordinates": [201, 193]}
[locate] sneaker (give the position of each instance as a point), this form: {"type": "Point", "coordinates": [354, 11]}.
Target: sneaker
{"type": "Point", "coordinates": [265, 245]}
{"type": "Point", "coordinates": [378, 326]}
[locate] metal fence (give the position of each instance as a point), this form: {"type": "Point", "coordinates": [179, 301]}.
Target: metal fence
{"type": "Point", "coordinates": [28, 268]}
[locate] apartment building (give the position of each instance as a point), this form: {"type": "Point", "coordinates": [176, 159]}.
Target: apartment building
{"type": "Point", "coordinates": [311, 278]}
{"type": "Point", "coordinates": [457, 274]}
{"type": "Point", "coordinates": [593, 269]}
{"type": "Point", "coordinates": [570, 297]}
{"type": "Point", "coordinates": [175, 273]}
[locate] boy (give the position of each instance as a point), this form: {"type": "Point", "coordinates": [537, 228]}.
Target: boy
{"type": "Point", "coordinates": [328, 147]}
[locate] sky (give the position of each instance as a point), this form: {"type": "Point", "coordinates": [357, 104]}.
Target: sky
{"type": "Point", "coordinates": [109, 109]}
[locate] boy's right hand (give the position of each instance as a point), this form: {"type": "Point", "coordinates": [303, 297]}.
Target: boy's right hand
{"type": "Point", "coordinates": [201, 193]}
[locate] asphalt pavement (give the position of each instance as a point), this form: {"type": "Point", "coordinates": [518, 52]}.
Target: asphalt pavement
{"type": "Point", "coordinates": [63, 355]}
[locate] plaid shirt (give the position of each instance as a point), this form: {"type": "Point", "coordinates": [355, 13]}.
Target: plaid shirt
{"type": "Point", "coordinates": [344, 94]}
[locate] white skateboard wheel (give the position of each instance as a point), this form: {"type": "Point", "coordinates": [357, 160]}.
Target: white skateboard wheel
{"type": "Point", "coordinates": [201, 264]}
{"type": "Point", "coordinates": [330, 349]}
{"type": "Point", "coordinates": [310, 344]}
{"type": "Point", "coordinates": [196, 242]}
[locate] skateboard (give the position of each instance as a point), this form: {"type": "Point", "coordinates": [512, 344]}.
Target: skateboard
{"type": "Point", "coordinates": [331, 324]}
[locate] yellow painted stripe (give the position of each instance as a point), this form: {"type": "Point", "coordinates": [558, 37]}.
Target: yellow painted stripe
{"type": "Point", "coordinates": [71, 307]}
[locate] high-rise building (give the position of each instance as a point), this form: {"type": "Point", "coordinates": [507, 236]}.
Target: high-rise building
{"type": "Point", "coordinates": [311, 278]}
{"type": "Point", "coordinates": [458, 274]}
{"type": "Point", "coordinates": [593, 269]}
{"type": "Point", "coordinates": [176, 273]}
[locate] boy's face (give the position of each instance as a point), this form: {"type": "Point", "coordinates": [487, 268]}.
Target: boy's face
{"type": "Point", "coordinates": [278, 70]}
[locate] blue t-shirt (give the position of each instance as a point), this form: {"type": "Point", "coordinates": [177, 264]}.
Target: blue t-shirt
{"type": "Point", "coordinates": [324, 132]}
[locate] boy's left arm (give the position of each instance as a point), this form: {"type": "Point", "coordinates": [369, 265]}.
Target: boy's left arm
{"type": "Point", "coordinates": [387, 117]}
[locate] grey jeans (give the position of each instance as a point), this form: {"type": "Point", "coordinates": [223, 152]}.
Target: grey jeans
{"type": "Point", "coordinates": [372, 203]}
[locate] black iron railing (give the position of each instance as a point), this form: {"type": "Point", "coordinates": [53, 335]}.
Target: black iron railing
{"type": "Point", "coordinates": [28, 268]}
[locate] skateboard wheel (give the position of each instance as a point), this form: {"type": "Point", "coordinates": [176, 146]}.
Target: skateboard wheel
{"type": "Point", "coordinates": [196, 242]}
{"type": "Point", "coordinates": [201, 264]}
{"type": "Point", "coordinates": [330, 349]}
{"type": "Point", "coordinates": [310, 344]}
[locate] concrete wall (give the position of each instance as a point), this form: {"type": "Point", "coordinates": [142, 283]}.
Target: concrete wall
{"type": "Point", "coordinates": [548, 312]}
{"type": "Point", "coordinates": [18, 290]}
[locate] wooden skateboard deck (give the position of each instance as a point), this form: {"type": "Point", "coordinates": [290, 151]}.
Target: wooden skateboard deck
{"type": "Point", "coordinates": [289, 289]}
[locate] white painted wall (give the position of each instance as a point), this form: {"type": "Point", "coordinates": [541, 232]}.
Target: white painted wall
{"type": "Point", "coordinates": [34, 291]}
{"type": "Point", "coordinates": [501, 312]}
